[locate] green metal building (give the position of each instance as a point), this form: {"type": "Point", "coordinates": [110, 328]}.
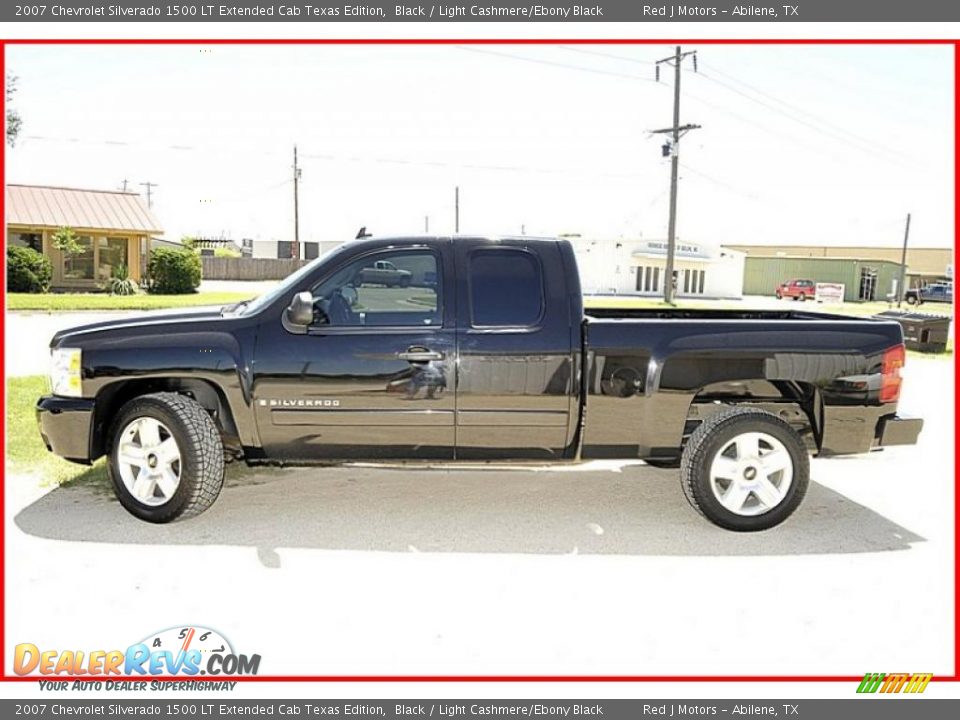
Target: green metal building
{"type": "Point", "coordinates": [862, 279]}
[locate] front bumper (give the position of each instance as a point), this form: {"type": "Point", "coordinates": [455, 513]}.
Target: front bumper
{"type": "Point", "coordinates": [896, 430]}
{"type": "Point", "coordinates": [65, 426]}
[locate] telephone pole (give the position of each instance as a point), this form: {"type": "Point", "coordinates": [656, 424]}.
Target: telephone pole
{"type": "Point", "coordinates": [126, 184]}
{"type": "Point", "coordinates": [456, 209]}
{"type": "Point", "coordinates": [676, 132]}
{"type": "Point", "coordinates": [149, 186]}
{"type": "Point", "coordinates": [901, 290]}
{"type": "Point", "coordinates": [295, 250]}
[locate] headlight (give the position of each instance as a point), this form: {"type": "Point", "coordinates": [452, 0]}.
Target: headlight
{"type": "Point", "coordinates": [65, 372]}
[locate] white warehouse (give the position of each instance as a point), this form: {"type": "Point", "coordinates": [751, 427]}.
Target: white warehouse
{"type": "Point", "coordinates": [638, 267]}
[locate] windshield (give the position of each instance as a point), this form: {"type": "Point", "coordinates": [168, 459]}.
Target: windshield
{"type": "Point", "coordinates": [287, 285]}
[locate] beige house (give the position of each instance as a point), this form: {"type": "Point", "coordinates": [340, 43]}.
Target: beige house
{"type": "Point", "coordinates": [113, 228]}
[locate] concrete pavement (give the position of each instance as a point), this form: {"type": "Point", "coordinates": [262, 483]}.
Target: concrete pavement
{"type": "Point", "coordinates": [597, 569]}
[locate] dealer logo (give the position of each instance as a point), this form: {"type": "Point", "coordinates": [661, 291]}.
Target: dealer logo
{"type": "Point", "coordinates": [189, 650]}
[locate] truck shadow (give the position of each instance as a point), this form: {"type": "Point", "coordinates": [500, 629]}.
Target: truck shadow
{"type": "Point", "coordinates": [637, 511]}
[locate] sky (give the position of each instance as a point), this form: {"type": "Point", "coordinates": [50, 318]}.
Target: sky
{"type": "Point", "coordinates": [799, 144]}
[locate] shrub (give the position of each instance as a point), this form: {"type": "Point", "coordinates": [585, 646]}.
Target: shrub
{"type": "Point", "coordinates": [173, 272]}
{"type": "Point", "coordinates": [121, 283]}
{"type": "Point", "coordinates": [226, 252]}
{"type": "Point", "coordinates": [27, 270]}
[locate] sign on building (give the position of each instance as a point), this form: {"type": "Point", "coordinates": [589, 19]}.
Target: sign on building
{"type": "Point", "coordinates": [830, 292]}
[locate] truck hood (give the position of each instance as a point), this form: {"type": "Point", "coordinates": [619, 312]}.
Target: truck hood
{"type": "Point", "coordinates": [138, 321]}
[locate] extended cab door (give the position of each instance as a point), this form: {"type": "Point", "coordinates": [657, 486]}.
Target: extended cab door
{"type": "Point", "coordinates": [516, 390]}
{"type": "Point", "coordinates": [373, 376]}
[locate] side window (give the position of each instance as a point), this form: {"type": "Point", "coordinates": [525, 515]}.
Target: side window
{"type": "Point", "coordinates": [506, 288]}
{"type": "Point", "coordinates": [391, 289]}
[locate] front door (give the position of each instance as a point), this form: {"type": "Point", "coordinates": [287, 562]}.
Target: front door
{"type": "Point", "coordinates": [373, 376]}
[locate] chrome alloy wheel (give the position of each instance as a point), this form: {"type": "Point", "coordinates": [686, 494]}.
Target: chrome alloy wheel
{"type": "Point", "coordinates": [751, 474]}
{"type": "Point", "coordinates": [148, 459]}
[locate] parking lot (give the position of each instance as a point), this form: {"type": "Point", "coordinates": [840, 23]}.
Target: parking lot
{"type": "Point", "coordinates": [601, 568]}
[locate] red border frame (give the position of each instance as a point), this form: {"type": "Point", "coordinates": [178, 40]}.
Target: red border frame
{"type": "Point", "coordinates": [501, 41]}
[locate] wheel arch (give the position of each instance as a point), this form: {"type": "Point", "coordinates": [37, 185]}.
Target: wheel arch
{"type": "Point", "coordinates": [798, 403]}
{"type": "Point", "coordinates": [208, 394]}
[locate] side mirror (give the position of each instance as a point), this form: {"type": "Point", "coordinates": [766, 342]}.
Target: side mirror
{"type": "Point", "coordinates": [300, 311]}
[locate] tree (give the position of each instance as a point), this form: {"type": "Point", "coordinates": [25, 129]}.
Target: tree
{"type": "Point", "coordinates": [65, 240]}
{"type": "Point", "coordinates": [14, 123]}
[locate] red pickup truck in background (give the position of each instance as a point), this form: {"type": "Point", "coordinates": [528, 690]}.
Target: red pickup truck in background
{"type": "Point", "coordinates": [797, 289]}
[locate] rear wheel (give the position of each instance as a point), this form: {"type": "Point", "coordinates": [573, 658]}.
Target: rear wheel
{"type": "Point", "coordinates": [803, 297]}
{"type": "Point", "coordinates": [166, 457]}
{"type": "Point", "coordinates": [745, 469]}
{"type": "Point", "coordinates": [911, 299]}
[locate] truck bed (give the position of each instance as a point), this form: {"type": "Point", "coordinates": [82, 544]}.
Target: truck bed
{"type": "Point", "coordinates": [710, 314]}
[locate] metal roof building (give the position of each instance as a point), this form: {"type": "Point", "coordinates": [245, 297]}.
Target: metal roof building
{"type": "Point", "coordinates": [113, 229]}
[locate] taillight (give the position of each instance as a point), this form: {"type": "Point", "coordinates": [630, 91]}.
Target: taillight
{"type": "Point", "coordinates": [890, 382]}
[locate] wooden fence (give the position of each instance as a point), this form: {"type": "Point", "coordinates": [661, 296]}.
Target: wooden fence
{"type": "Point", "coordinates": [223, 268]}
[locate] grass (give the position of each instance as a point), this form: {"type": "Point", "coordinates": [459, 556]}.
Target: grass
{"type": "Point", "coordinates": [26, 453]}
{"type": "Point", "coordinates": [58, 302]}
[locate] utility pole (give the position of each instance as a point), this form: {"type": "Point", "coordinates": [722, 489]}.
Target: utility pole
{"type": "Point", "coordinates": [426, 224]}
{"type": "Point", "coordinates": [149, 186]}
{"type": "Point", "coordinates": [456, 209]}
{"type": "Point", "coordinates": [126, 184]}
{"type": "Point", "coordinates": [295, 250]}
{"type": "Point", "coordinates": [901, 290]}
{"type": "Point", "coordinates": [677, 131]}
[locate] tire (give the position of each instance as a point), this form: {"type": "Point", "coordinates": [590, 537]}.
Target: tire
{"type": "Point", "coordinates": [779, 296]}
{"type": "Point", "coordinates": [707, 456]}
{"type": "Point", "coordinates": [803, 298]}
{"type": "Point", "coordinates": [911, 299]}
{"type": "Point", "coordinates": [663, 463]}
{"type": "Point", "coordinates": [175, 481]}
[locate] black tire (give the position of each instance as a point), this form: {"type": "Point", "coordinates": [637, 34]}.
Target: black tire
{"type": "Point", "coordinates": [803, 298]}
{"type": "Point", "coordinates": [779, 296]}
{"type": "Point", "coordinates": [663, 463]}
{"type": "Point", "coordinates": [201, 456]}
{"type": "Point", "coordinates": [713, 435]}
{"type": "Point", "coordinates": [911, 299]}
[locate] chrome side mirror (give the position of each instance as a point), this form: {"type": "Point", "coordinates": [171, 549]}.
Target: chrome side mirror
{"type": "Point", "coordinates": [300, 311]}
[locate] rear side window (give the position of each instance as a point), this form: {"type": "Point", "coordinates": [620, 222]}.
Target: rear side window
{"type": "Point", "coordinates": [506, 288]}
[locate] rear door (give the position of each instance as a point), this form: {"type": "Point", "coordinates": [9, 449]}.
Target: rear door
{"type": "Point", "coordinates": [515, 381]}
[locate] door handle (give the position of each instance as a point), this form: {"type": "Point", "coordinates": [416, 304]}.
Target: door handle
{"type": "Point", "coordinates": [419, 354]}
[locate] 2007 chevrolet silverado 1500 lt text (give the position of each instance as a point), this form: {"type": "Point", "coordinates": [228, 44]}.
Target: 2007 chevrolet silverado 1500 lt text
{"type": "Point", "coordinates": [484, 352]}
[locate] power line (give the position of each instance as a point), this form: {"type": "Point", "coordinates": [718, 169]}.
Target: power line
{"type": "Point", "coordinates": [598, 53]}
{"type": "Point", "coordinates": [556, 64]}
{"type": "Point", "coordinates": [798, 109]}
{"type": "Point", "coordinates": [858, 143]}
{"type": "Point", "coordinates": [373, 159]}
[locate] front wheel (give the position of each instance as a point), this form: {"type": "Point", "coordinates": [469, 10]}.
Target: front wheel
{"type": "Point", "coordinates": [166, 457]}
{"type": "Point", "coordinates": [745, 469]}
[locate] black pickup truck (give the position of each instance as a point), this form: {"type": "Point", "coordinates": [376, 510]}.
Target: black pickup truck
{"type": "Point", "coordinates": [483, 352]}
